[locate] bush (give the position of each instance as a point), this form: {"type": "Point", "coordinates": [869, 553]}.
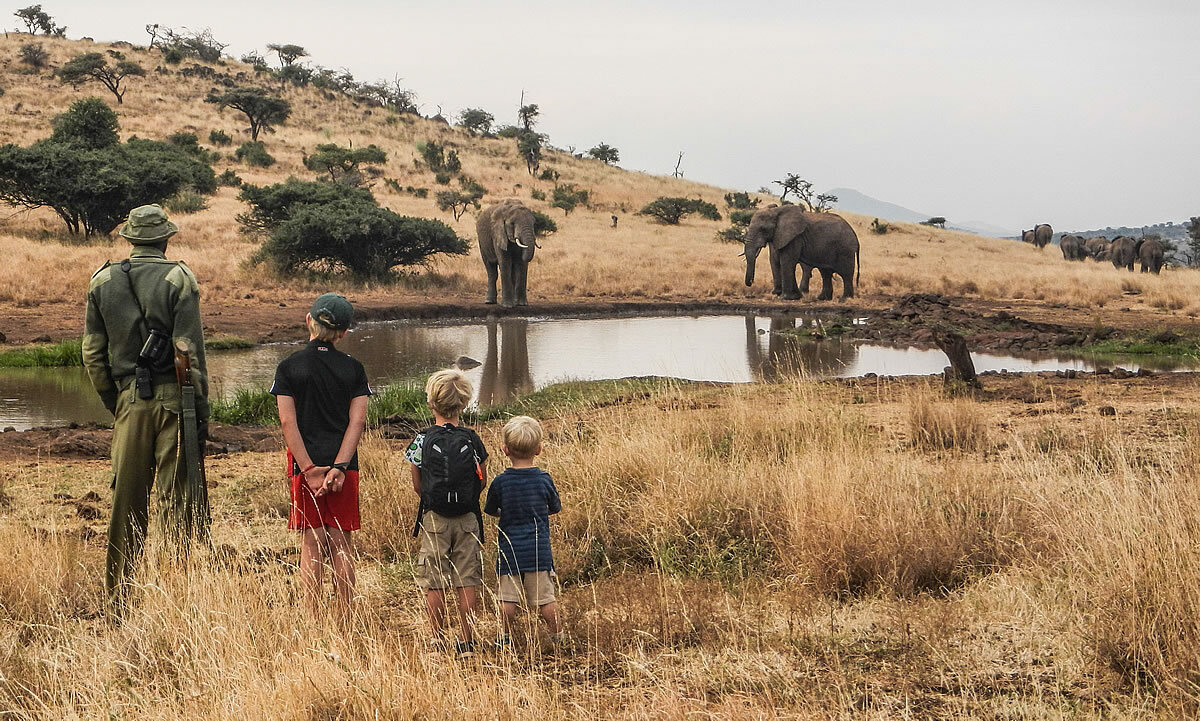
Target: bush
{"type": "Point", "coordinates": [509, 131]}
{"type": "Point", "coordinates": [229, 179]}
{"type": "Point", "coordinates": [255, 154]}
{"type": "Point", "coordinates": [34, 55]}
{"type": "Point", "coordinates": [879, 228]}
{"type": "Point", "coordinates": [442, 178]}
{"type": "Point", "coordinates": [186, 201]}
{"type": "Point", "coordinates": [549, 174]}
{"type": "Point", "coordinates": [219, 137]}
{"type": "Point", "coordinates": [476, 121]}
{"type": "Point", "coordinates": [459, 201]}
{"type": "Point", "coordinates": [537, 194]}
{"type": "Point", "coordinates": [543, 224]}
{"type": "Point", "coordinates": [669, 211]}
{"type": "Point", "coordinates": [741, 217]}
{"type": "Point", "coordinates": [732, 234]}
{"type": "Point", "coordinates": [187, 142]}
{"type": "Point", "coordinates": [353, 234]}
{"type": "Point", "coordinates": [567, 196]}
{"type": "Point", "coordinates": [271, 204]}
{"type": "Point", "coordinates": [342, 164]}
{"type": "Point", "coordinates": [262, 109]}
{"type": "Point", "coordinates": [605, 153]}
{"type": "Point", "coordinates": [88, 178]}
{"type": "Point", "coordinates": [93, 67]}
{"type": "Point", "coordinates": [741, 201]}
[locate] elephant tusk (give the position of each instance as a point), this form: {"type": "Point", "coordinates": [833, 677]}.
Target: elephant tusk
{"type": "Point", "coordinates": [742, 254]}
{"type": "Point", "coordinates": [537, 244]}
{"type": "Point", "coordinates": [520, 244]}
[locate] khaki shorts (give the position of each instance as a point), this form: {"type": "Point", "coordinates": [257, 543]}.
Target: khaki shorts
{"type": "Point", "coordinates": [451, 555]}
{"type": "Point", "coordinates": [537, 587]}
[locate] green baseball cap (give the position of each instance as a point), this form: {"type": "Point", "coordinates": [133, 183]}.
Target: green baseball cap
{"type": "Point", "coordinates": [333, 311]}
{"type": "Point", "coordinates": [148, 224]}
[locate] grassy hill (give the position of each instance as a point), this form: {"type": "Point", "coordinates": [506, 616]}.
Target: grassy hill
{"type": "Point", "coordinates": [586, 262]}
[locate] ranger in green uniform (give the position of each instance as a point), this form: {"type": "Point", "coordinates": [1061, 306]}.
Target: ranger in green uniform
{"type": "Point", "coordinates": [134, 308]}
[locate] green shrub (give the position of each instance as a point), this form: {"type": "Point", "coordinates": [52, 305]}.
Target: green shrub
{"type": "Point", "coordinates": [88, 178]}
{"type": "Point", "coordinates": [246, 407]}
{"type": "Point", "coordinates": [64, 353]}
{"type": "Point", "coordinates": [186, 201]}
{"type": "Point", "coordinates": [229, 179]}
{"type": "Point", "coordinates": [255, 154]}
{"type": "Point", "coordinates": [605, 153]}
{"type": "Point", "coordinates": [328, 228]}
{"type": "Point", "coordinates": [262, 109]}
{"type": "Point", "coordinates": [442, 178]}
{"type": "Point", "coordinates": [741, 217]}
{"type": "Point", "coordinates": [509, 131]}
{"type": "Point", "coordinates": [549, 174]}
{"type": "Point", "coordinates": [879, 228]}
{"type": "Point", "coordinates": [732, 234]}
{"type": "Point", "coordinates": [543, 224]}
{"type": "Point", "coordinates": [669, 211]}
{"type": "Point", "coordinates": [567, 197]}
{"type": "Point", "coordinates": [342, 164]}
{"type": "Point", "coordinates": [219, 137]}
{"type": "Point", "coordinates": [741, 201]}
{"type": "Point", "coordinates": [537, 194]}
{"type": "Point", "coordinates": [476, 121]}
{"type": "Point", "coordinates": [187, 142]}
{"type": "Point", "coordinates": [34, 55]}
{"type": "Point", "coordinates": [172, 56]}
{"type": "Point", "coordinates": [420, 192]}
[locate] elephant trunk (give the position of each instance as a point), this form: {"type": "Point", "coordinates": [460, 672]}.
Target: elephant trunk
{"type": "Point", "coordinates": [751, 253]}
{"type": "Point", "coordinates": [525, 237]}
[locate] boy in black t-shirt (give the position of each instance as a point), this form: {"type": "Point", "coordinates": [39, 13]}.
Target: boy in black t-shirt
{"type": "Point", "coordinates": [322, 396]}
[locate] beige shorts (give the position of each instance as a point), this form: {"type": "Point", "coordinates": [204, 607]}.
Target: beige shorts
{"type": "Point", "coordinates": [451, 555]}
{"type": "Point", "coordinates": [537, 587]}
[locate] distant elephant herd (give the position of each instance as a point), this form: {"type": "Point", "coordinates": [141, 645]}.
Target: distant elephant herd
{"type": "Point", "coordinates": [1122, 251]}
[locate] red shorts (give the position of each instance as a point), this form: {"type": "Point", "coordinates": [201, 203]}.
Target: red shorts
{"type": "Point", "coordinates": [337, 510]}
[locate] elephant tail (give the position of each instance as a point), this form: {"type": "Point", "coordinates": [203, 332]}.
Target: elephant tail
{"type": "Point", "coordinates": [858, 268]}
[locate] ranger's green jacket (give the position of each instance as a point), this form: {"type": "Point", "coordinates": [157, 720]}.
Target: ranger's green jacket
{"type": "Point", "coordinates": [113, 330]}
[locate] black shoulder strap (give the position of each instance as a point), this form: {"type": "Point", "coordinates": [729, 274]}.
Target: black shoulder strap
{"type": "Point", "coordinates": [126, 266]}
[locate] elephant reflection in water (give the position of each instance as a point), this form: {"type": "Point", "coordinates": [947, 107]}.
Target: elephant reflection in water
{"type": "Point", "coordinates": [506, 371]}
{"type": "Point", "coordinates": [788, 354]}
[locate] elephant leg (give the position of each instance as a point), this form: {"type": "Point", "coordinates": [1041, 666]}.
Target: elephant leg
{"type": "Point", "coordinates": [506, 282]}
{"type": "Point", "coordinates": [492, 271]}
{"type": "Point", "coordinates": [520, 273]}
{"type": "Point", "coordinates": [805, 277]}
{"type": "Point", "coordinates": [776, 279]}
{"type": "Point", "coordinates": [826, 284]}
{"type": "Point", "coordinates": [847, 284]}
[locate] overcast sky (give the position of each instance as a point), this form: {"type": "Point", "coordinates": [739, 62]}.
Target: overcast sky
{"type": "Point", "coordinates": [1077, 113]}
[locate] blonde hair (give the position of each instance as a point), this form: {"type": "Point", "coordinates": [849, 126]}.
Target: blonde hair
{"type": "Point", "coordinates": [522, 436]}
{"type": "Point", "coordinates": [322, 332]}
{"type": "Point", "coordinates": [448, 392]}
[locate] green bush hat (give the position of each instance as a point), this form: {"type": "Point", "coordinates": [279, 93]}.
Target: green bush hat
{"type": "Point", "coordinates": [333, 311]}
{"type": "Point", "coordinates": [148, 224]}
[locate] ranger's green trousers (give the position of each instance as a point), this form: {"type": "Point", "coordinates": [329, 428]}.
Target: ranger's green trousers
{"type": "Point", "coordinates": [145, 449]}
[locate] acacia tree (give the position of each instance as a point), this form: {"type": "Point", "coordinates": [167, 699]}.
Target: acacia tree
{"type": "Point", "coordinates": [342, 164]}
{"type": "Point", "coordinates": [529, 145]}
{"type": "Point", "coordinates": [92, 67]}
{"type": "Point", "coordinates": [37, 20]}
{"type": "Point", "coordinates": [803, 190]}
{"type": "Point", "coordinates": [288, 54]}
{"type": "Point", "coordinates": [605, 153]}
{"type": "Point", "coordinates": [1193, 230]}
{"type": "Point", "coordinates": [476, 121]}
{"type": "Point", "coordinates": [527, 116]}
{"type": "Point", "coordinates": [260, 108]}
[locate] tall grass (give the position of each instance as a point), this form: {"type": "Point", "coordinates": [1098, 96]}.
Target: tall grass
{"type": "Point", "coordinates": [63, 353]}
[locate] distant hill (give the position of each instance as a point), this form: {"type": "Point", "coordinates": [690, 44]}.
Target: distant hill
{"type": "Point", "coordinates": [855, 202]}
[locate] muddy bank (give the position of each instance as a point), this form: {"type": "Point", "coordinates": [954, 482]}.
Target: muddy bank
{"type": "Point", "coordinates": [89, 441]}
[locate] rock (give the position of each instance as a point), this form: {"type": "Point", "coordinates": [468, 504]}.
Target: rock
{"type": "Point", "coordinates": [87, 511]}
{"type": "Point", "coordinates": [1120, 373]}
{"type": "Point", "coordinates": [3, 338]}
{"type": "Point", "coordinates": [466, 363]}
{"type": "Point", "coordinates": [1102, 371]}
{"type": "Point", "coordinates": [8, 429]}
{"type": "Point", "coordinates": [1108, 411]}
{"type": "Point", "coordinates": [1144, 373]}
{"type": "Point", "coordinates": [91, 497]}
{"type": "Point", "coordinates": [1165, 337]}
{"type": "Point", "coordinates": [41, 339]}
{"type": "Point", "coordinates": [1072, 373]}
{"type": "Point", "coordinates": [867, 375]}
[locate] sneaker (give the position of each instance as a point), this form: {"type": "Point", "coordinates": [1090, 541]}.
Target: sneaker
{"type": "Point", "coordinates": [465, 649]}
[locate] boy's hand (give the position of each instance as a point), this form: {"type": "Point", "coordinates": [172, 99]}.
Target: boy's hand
{"type": "Point", "coordinates": [334, 480]}
{"type": "Point", "coordinates": [314, 478]}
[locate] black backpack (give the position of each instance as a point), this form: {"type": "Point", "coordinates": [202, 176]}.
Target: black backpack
{"type": "Point", "coordinates": [451, 478]}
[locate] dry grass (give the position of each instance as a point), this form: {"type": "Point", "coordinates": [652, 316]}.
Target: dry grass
{"type": "Point", "coordinates": [816, 565]}
{"type": "Point", "coordinates": [586, 260]}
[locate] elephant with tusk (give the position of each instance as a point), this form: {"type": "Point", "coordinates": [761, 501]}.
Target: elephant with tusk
{"type": "Point", "coordinates": [507, 242]}
{"type": "Point", "coordinates": [811, 240]}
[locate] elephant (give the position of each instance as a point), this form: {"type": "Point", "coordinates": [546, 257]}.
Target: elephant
{"type": "Point", "coordinates": [777, 279]}
{"type": "Point", "coordinates": [1072, 247]}
{"type": "Point", "coordinates": [507, 242]}
{"type": "Point", "coordinates": [787, 354]}
{"type": "Point", "coordinates": [1122, 252]}
{"type": "Point", "coordinates": [506, 374]}
{"type": "Point", "coordinates": [1094, 246]}
{"type": "Point", "coordinates": [1150, 253]}
{"type": "Point", "coordinates": [1039, 236]}
{"type": "Point", "coordinates": [822, 240]}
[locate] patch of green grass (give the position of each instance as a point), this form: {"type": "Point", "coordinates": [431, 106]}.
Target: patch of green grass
{"type": "Point", "coordinates": [64, 353]}
{"type": "Point", "coordinates": [404, 399]}
{"type": "Point", "coordinates": [246, 407]}
{"type": "Point", "coordinates": [227, 342]}
{"type": "Point", "coordinates": [572, 396]}
{"type": "Point", "coordinates": [1149, 345]}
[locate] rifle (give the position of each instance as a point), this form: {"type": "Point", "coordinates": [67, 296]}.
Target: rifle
{"type": "Point", "coordinates": [191, 454]}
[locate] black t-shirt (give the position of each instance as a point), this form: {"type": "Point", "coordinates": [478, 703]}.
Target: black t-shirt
{"type": "Point", "coordinates": [322, 381]}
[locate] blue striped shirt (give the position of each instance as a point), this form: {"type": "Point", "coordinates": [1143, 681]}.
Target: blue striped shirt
{"type": "Point", "coordinates": [524, 499]}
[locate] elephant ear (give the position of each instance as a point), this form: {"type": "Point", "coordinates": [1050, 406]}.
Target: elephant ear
{"type": "Point", "coordinates": [792, 224]}
{"type": "Point", "coordinates": [501, 235]}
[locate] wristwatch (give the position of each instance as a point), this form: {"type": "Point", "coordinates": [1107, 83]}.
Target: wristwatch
{"type": "Point", "coordinates": [341, 466]}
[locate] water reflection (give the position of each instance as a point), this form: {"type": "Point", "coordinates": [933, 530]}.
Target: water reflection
{"type": "Point", "coordinates": [519, 355]}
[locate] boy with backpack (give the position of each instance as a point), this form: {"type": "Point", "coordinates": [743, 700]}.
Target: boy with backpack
{"type": "Point", "coordinates": [524, 497]}
{"type": "Point", "coordinates": [448, 473]}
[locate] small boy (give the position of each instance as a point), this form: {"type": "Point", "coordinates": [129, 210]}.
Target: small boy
{"type": "Point", "coordinates": [449, 465]}
{"type": "Point", "coordinates": [524, 497]}
{"type": "Point", "coordinates": [322, 397]}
